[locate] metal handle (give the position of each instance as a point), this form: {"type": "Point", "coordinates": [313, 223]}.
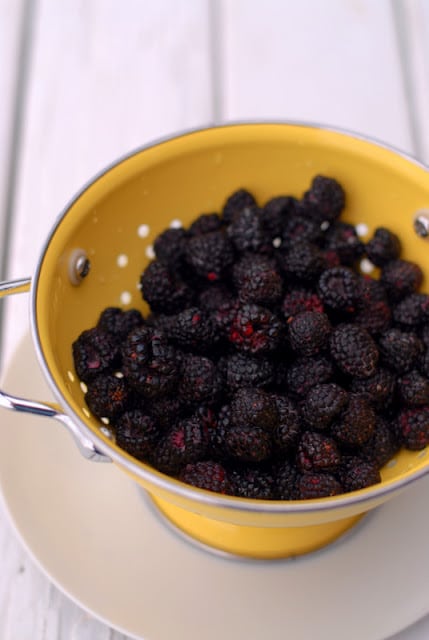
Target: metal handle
{"type": "Point", "coordinates": [46, 409]}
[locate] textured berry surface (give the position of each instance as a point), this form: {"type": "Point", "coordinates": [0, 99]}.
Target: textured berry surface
{"type": "Point", "coordinates": [94, 352]}
{"type": "Point", "coordinates": [327, 196]}
{"type": "Point", "coordinates": [257, 280]}
{"type": "Point", "coordinates": [254, 407]}
{"type": "Point", "coordinates": [353, 350]}
{"type": "Point", "coordinates": [163, 290]}
{"type": "Point", "coordinates": [401, 278]}
{"type": "Point", "coordinates": [313, 485]}
{"type": "Point", "coordinates": [252, 482]}
{"type": "Point", "coordinates": [413, 427]}
{"type": "Point", "coordinates": [322, 403]}
{"type": "Point", "coordinates": [207, 475]}
{"type": "Point", "coordinates": [137, 433]}
{"type": "Point", "coordinates": [267, 365]}
{"type": "Point", "coordinates": [107, 396]}
{"type": "Point", "coordinates": [256, 330]}
{"type": "Point", "coordinates": [317, 452]}
{"type": "Point", "coordinates": [338, 288]}
{"type": "Point", "coordinates": [399, 350]}
{"type": "Point", "coordinates": [356, 423]}
{"type": "Point", "coordinates": [209, 254]}
{"type": "Point", "coordinates": [236, 202]}
{"type": "Point", "coordinates": [383, 247]}
{"type": "Point", "coordinates": [358, 474]}
{"type": "Point", "coordinates": [309, 332]}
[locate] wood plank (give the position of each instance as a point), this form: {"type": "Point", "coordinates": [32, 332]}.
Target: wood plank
{"type": "Point", "coordinates": [11, 23]}
{"type": "Point", "coordinates": [103, 82]}
{"type": "Point", "coordinates": [413, 28]}
{"type": "Point", "coordinates": [327, 62]}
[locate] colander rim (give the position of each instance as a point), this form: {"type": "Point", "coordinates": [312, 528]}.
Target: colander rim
{"type": "Point", "coordinates": [144, 471]}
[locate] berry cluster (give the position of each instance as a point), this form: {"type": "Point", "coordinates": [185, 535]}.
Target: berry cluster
{"type": "Point", "coordinates": [269, 366]}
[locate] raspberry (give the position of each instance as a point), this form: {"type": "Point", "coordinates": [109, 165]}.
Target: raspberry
{"type": "Point", "coordinates": [358, 474]}
{"type": "Point", "coordinates": [217, 431]}
{"type": "Point", "coordinates": [379, 388]}
{"type": "Point", "coordinates": [191, 329]}
{"type": "Point", "coordinates": [339, 289]}
{"type": "Point", "coordinates": [256, 330]}
{"type": "Point", "coordinates": [423, 362]}
{"type": "Point", "coordinates": [236, 202]}
{"type": "Point", "coordinates": [288, 426]}
{"type": "Point", "coordinates": [163, 291]}
{"type": "Point", "coordinates": [247, 231]}
{"type": "Point", "coordinates": [300, 228]}
{"type": "Point", "coordinates": [401, 278]}
{"type": "Point", "coordinates": [413, 389]}
{"type": "Point", "coordinates": [205, 223]}
{"type": "Point", "coordinates": [317, 485]}
{"type": "Point", "coordinates": [413, 427]}
{"type": "Point", "coordinates": [356, 423]}
{"type": "Point", "coordinates": [373, 309]}
{"type": "Point", "coordinates": [275, 212]}
{"type": "Point", "coordinates": [316, 452]}
{"type": "Point", "coordinates": [323, 403]}
{"type": "Point", "coordinates": [257, 280]}
{"type": "Point", "coordinates": [169, 246]}
{"type": "Point", "coordinates": [302, 263]}
{"type": "Point", "coordinates": [252, 482]}
{"type": "Point", "coordinates": [248, 444]}
{"type": "Point", "coordinates": [304, 373]}
{"type": "Point", "coordinates": [164, 409]}
{"type": "Point", "coordinates": [342, 238]}
{"type": "Point", "coordinates": [285, 481]}
{"type": "Point", "coordinates": [118, 322]}
{"type": "Point", "coordinates": [254, 407]}
{"type": "Point", "coordinates": [94, 352]}
{"type": "Point", "coordinates": [201, 382]}
{"type": "Point", "coordinates": [375, 318]}
{"type": "Point", "coordinates": [412, 311]}
{"type": "Point", "coordinates": [214, 297]}
{"type": "Point", "coordinates": [399, 350]}
{"type": "Point", "coordinates": [327, 196]}
{"type": "Point", "coordinates": [309, 332]}
{"type": "Point", "coordinates": [209, 254]}
{"type": "Point", "coordinates": [246, 371]}
{"type": "Point", "coordinates": [207, 475]}
{"type": "Point", "coordinates": [150, 364]}
{"type": "Point", "coordinates": [107, 396]}
{"type": "Point", "coordinates": [223, 316]}
{"type": "Point", "coordinates": [300, 299]}
{"type": "Point", "coordinates": [353, 350]}
{"type": "Point", "coordinates": [137, 433]}
{"type": "Point", "coordinates": [424, 334]}
{"type": "Point", "coordinates": [381, 446]}
{"type": "Point", "coordinates": [184, 443]}
{"type": "Point", "coordinates": [383, 247]}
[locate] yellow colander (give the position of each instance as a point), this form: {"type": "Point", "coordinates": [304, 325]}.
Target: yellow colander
{"type": "Point", "coordinates": [110, 227]}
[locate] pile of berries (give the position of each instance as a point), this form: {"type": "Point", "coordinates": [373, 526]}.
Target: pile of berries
{"type": "Point", "coordinates": [269, 367]}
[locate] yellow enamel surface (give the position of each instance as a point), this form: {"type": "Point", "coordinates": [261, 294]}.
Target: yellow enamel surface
{"type": "Point", "coordinates": [254, 542]}
{"type": "Point", "coordinates": [177, 180]}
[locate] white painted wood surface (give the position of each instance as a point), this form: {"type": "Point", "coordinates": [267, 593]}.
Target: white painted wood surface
{"type": "Point", "coordinates": [11, 26]}
{"type": "Point", "coordinates": [106, 76]}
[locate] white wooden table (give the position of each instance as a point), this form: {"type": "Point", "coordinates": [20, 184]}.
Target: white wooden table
{"type": "Point", "coordinates": [83, 81]}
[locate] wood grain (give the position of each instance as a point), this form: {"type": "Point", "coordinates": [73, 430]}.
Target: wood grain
{"type": "Point", "coordinates": [333, 62]}
{"type": "Point", "coordinates": [103, 82]}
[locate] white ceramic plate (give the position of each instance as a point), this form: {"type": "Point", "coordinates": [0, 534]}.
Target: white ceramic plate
{"type": "Point", "coordinates": [88, 527]}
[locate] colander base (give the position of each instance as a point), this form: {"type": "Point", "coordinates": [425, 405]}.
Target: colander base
{"type": "Point", "coordinates": [264, 543]}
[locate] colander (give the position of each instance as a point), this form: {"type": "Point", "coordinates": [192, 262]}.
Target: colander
{"type": "Point", "coordinates": [100, 244]}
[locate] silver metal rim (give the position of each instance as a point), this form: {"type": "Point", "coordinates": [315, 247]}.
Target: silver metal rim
{"type": "Point", "coordinates": [162, 481]}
